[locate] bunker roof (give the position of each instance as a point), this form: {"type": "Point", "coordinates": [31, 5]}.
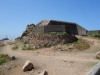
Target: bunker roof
{"type": "Point", "coordinates": [53, 22]}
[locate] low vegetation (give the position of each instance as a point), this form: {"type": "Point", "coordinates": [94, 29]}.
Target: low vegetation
{"type": "Point", "coordinates": [17, 44]}
{"type": "Point", "coordinates": [3, 58]}
{"type": "Point", "coordinates": [97, 35]}
{"type": "Point", "coordinates": [27, 47]}
{"type": "Point", "coordinates": [20, 44]}
{"type": "Point", "coordinates": [15, 47]}
{"type": "Point", "coordinates": [81, 44]}
{"type": "Point", "coordinates": [78, 45]}
{"type": "Point", "coordinates": [1, 44]}
{"type": "Point", "coordinates": [64, 47]}
{"type": "Point", "coordinates": [0, 47]}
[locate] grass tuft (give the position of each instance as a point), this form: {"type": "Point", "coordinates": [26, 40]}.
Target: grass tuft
{"type": "Point", "coordinates": [3, 58]}
{"type": "Point", "coordinates": [81, 44]}
{"type": "Point", "coordinates": [27, 47]}
{"type": "Point", "coordinates": [15, 47]}
{"type": "Point", "coordinates": [97, 35]}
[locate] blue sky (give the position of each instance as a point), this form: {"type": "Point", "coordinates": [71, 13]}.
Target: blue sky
{"type": "Point", "coordinates": [16, 14]}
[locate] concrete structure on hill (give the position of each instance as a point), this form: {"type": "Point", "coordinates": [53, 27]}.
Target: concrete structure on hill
{"type": "Point", "coordinates": [93, 32]}
{"type": "Point", "coordinates": [47, 26]}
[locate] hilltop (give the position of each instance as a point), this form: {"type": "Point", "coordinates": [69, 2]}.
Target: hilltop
{"type": "Point", "coordinates": [55, 60]}
{"type": "Point", "coordinates": [59, 51]}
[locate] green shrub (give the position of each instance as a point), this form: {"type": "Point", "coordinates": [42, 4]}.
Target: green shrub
{"type": "Point", "coordinates": [97, 35]}
{"type": "Point", "coordinates": [3, 58]}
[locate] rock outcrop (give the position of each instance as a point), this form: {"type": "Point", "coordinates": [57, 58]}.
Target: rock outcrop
{"type": "Point", "coordinates": [13, 58]}
{"type": "Point", "coordinates": [28, 30]}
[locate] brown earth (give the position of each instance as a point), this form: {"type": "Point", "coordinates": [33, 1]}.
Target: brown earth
{"type": "Point", "coordinates": [54, 62]}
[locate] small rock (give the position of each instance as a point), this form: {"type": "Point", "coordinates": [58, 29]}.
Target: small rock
{"type": "Point", "coordinates": [43, 73]}
{"type": "Point", "coordinates": [71, 61]}
{"type": "Point", "coordinates": [98, 55]}
{"type": "Point", "coordinates": [9, 68]}
{"type": "Point", "coordinates": [64, 60]}
{"type": "Point", "coordinates": [28, 66]}
{"type": "Point", "coordinates": [13, 58]}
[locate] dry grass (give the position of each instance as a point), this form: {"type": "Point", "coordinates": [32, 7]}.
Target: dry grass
{"type": "Point", "coordinates": [82, 47]}
{"type": "Point", "coordinates": [81, 44]}
{"type": "Point", "coordinates": [27, 47]}
{"type": "Point", "coordinates": [17, 44]}
{"type": "Point", "coordinates": [3, 58]}
{"type": "Point", "coordinates": [66, 47]}
{"type": "Point", "coordinates": [2, 44]}
{"type": "Point", "coordinates": [15, 47]}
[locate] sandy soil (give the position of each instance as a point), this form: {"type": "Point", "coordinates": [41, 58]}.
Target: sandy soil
{"type": "Point", "coordinates": [55, 62]}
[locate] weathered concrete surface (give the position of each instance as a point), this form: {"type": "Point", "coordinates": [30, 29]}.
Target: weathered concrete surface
{"type": "Point", "coordinates": [59, 26]}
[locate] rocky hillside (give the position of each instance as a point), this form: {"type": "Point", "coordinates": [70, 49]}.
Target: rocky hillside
{"type": "Point", "coordinates": [28, 30]}
{"type": "Point", "coordinates": [48, 40]}
{"type": "Point", "coordinates": [45, 39]}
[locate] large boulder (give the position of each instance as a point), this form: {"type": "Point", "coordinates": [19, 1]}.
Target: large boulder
{"type": "Point", "coordinates": [98, 55]}
{"type": "Point", "coordinates": [28, 66]}
{"type": "Point", "coordinates": [43, 73]}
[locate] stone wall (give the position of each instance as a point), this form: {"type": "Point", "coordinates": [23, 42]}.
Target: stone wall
{"type": "Point", "coordinates": [45, 40]}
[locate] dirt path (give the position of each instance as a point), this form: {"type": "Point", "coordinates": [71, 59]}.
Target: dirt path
{"type": "Point", "coordinates": [55, 62]}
